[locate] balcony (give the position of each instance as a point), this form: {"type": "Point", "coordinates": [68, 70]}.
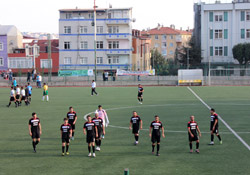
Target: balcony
{"type": "Point", "coordinates": [178, 39]}
{"type": "Point", "coordinates": [118, 52]}
{"type": "Point", "coordinates": [113, 36]}
{"type": "Point", "coordinates": [118, 21]}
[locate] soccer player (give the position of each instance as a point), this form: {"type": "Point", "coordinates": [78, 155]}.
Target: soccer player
{"type": "Point", "coordinates": [23, 96]}
{"type": "Point", "coordinates": [12, 97]}
{"type": "Point", "coordinates": [91, 134]}
{"type": "Point", "coordinates": [27, 95]}
{"type": "Point", "coordinates": [100, 128]}
{"type": "Point", "coordinates": [93, 86]}
{"type": "Point", "coordinates": [140, 93]}
{"type": "Point", "coordinates": [66, 133]}
{"type": "Point", "coordinates": [72, 117]}
{"type": "Point", "coordinates": [14, 83]}
{"type": "Point", "coordinates": [35, 130]}
{"type": "Point", "coordinates": [18, 94]}
{"type": "Point", "coordinates": [104, 116]}
{"type": "Point", "coordinates": [136, 124]}
{"type": "Point", "coordinates": [192, 134]}
{"type": "Point", "coordinates": [30, 92]}
{"type": "Point", "coordinates": [45, 91]}
{"type": "Point", "coordinates": [155, 127]}
{"type": "Point", "coordinates": [214, 127]}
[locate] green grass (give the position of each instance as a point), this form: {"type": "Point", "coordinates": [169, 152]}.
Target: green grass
{"type": "Point", "coordinates": [174, 105]}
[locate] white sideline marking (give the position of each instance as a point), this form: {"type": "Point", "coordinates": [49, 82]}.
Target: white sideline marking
{"type": "Point", "coordinates": [223, 121]}
{"type": "Point", "coordinates": [170, 131]}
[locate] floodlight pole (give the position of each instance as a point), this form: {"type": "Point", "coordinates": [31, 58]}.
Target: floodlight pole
{"type": "Point", "coordinates": [95, 39]}
{"type": "Point", "coordinates": [209, 74]}
{"type": "Point", "coordinates": [187, 58]}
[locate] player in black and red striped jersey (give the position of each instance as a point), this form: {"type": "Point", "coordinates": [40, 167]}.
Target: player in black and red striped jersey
{"type": "Point", "coordinates": [66, 134]}
{"type": "Point", "coordinates": [136, 124]}
{"type": "Point", "coordinates": [91, 134]}
{"type": "Point", "coordinates": [214, 126]}
{"type": "Point", "coordinates": [156, 127]}
{"type": "Point", "coordinates": [72, 117]}
{"type": "Point", "coordinates": [100, 129]}
{"type": "Point", "coordinates": [35, 130]}
{"type": "Point", "coordinates": [192, 134]}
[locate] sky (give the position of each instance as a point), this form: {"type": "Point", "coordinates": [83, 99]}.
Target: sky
{"type": "Point", "coordinates": [43, 15]}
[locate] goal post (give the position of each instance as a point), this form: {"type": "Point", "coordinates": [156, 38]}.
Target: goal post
{"type": "Point", "coordinates": [190, 77]}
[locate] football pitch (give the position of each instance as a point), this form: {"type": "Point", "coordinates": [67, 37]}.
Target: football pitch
{"type": "Point", "coordinates": [174, 105]}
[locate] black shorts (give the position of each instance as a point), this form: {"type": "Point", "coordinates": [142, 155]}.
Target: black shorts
{"type": "Point", "coordinates": [12, 99]}
{"type": "Point", "coordinates": [72, 126]}
{"type": "Point", "coordinates": [35, 135]}
{"type": "Point", "coordinates": [29, 95]}
{"type": "Point", "coordinates": [191, 139]}
{"type": "Point", "coordinates": [156, 138]}
{"type": "Point", "coordinates": [90, 139]}
{"type": "Point", "coordinates": [135, 130]}
{"type": "Point", "coordinates": [216, 129]}
{"type": "Point", "coordinates": [65, 139]}
{"type": "Point", "coordinates": [140, 94]}
{"type": "Point", "coordinates": [99, 130]}
{"type": "Point", "coordinates": [23, 98]}
{"type": "Point", "coordinates": [17, 97]}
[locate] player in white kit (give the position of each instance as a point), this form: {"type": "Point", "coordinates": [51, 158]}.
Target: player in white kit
{"type": "Point", "coordinates": [103, 115]}
{"type": "Point", "coordinates": [12, 97]}
{"type": "Point", "coordinates": [23, 96]}
{"type": "Point", "coordinates": [18, 95]}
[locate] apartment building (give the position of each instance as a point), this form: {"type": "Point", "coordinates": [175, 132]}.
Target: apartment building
{"type": "Point", "coordinates": [114, 39]}
{"type": "Point", "coordinates": [219, 27]}
{"type": "Point", "coordinates": [167, 39]}
{"type": "Point", "coordinates": [141, 51]}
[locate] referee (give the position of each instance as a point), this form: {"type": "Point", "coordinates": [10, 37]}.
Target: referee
{"type": "Point", "coordinates": [93, 86]}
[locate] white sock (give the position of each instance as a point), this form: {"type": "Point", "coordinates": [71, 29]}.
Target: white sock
{"type": "Point", "coordinates": [47, 98]}
{"type": "Point", "coordinates": [43, 98]}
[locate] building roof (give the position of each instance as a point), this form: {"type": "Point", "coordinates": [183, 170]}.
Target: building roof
{"type": "Point", "coordinates": [44, 44]}
{"type": "Point", "coordinates": [166, 31]}
{"type": "Point", "coordinates": [91, 9]}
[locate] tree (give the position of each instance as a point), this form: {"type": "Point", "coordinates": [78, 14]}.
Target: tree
{"type": "Point", "coordinates": [241, 53]}
{"type": "Point", "coordinates": [159, 63]}
{"type": "Point", "coordinates": [191, 51]}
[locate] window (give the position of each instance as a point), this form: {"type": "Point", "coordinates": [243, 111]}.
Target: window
{"type": "Point", "coordinates": [113, 60]}
{"type": "Point", "coordinates": [99, 29]}
{"type": "Point", "coordinates": [171, 37]}
{"type": "Point", "coordinates": [1, 46]}
{"type": "Point", "coordinates": [211, 16]}
{"type": "Point", "coordinates": [99, 60]}
{"type": "Point", "coordinates": [171, 44]}
{"type": "Point", "coordinates": [109, 15]}
{"type": "Point", "coordinates": [164, 37]}
{"type": "Point", "coordinates": [83, 60]}
{"type": "Point", "coordinates": [156, 45]}
{"type": "Point", "coordinates": [67, 29]}
{"type": "Point", "coordinates": [217, 18]}
{"type": "Point", "coordinates": [113, 29]}
{"type": "Point", "coordinates": [83, 29]}
{"type": "Point", "coordinates": [113, 44]}
{"type": "Point", "coordinates": [218, 34]}
{"type": "Point", "coordinates": [67, 60]}
{"type": "Point", "coordinates": [164, 44]}
{"type": "Point", "coordinates": [242, 33]}
{"type": "Point", "coordinates": [1, 61]}
{"type": "Point", "coordinates": [125, 14]}
{"type": "Point", "coordinates": [117, 14]}
{"type": "Point", "coordinates": [67, 45]}
{"type": "Point", "coordinates": [225, 16]}
{"type": "Point", "coordinates": [20, 62]}
{"type": "Point", "coordinates": [164, 52]}
{"type": "Point", "coordinates": [248, 16]}
{"type": "Point", "coordinates": [68, 15]}
{"type": "Point", "coordinates": [46, 63]}
{"type": "Point", "coordinates": [242, 16]}
{"type": "Point", "coordinates": [225, 51]}
{"type": "Point", "coordinates": [211, 34]}
{"type": "Point", "coordinates": [91, 15]}
{"type": "Point", "coordinates": [171, 52]}
{"type": "Point", "coordinates": [156, 37]}
{"type": "Point", "coordinates": [248, 33]}
{"type": "Point", "coordinates": [84, 45]}
{"type": "Point", "coordinates": [225, 34]}
{"type": "Point", "coordinates": [218, 51]}
{"type": "Point", "coordinates": [99, 44]}
{"type": "Point", "coordinates": [211, 51]}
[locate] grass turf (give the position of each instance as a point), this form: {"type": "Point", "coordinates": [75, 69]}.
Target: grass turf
{"type": "Point", "coordinates": [174, 105]}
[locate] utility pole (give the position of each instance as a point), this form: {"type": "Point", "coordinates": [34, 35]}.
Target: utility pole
{"type": "Point", "coordinates": [95, 39]}
{"type": "Point", "coordinates": [187, 58]}
{"type": "Point", "coordinates": [49, 58]}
